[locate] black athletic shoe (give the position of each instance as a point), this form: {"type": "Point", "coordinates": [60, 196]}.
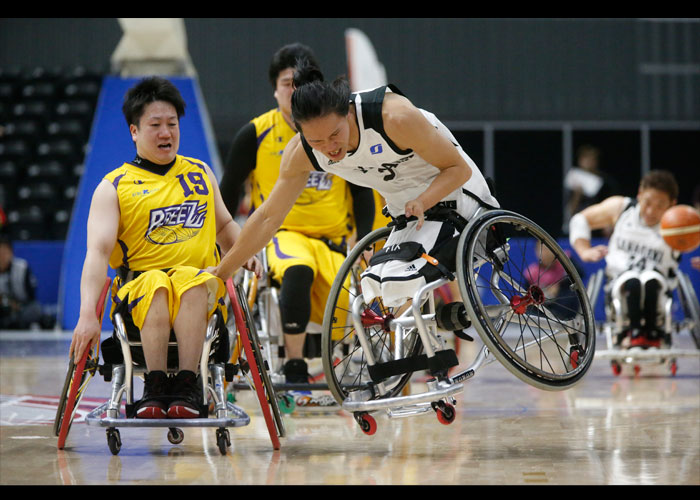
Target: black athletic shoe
{"type": "Point", "coordinates": [296, 371]}
{"type": "Point", "coordinates": [153, 403]}
{"type": "Point", "coordinates": [187, 396]}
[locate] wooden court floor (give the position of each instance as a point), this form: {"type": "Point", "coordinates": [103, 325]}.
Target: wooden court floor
{"type": "Point", "coordinates": [608, 430]}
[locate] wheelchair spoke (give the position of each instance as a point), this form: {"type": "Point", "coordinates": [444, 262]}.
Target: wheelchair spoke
{"type": "Point", "coordinates": [526, 299]}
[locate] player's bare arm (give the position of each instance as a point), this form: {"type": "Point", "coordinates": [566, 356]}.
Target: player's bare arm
{"type": "Point", "coordinates": [227, 229]}
{"type": "Point", "coordinates": [599, 216]}
{"type": "Point", "coordinates": [409, 129]}
{"type": "Point", "coordinates": [266, 220]}
{"type": "Point", "coordinates": [102, 226]}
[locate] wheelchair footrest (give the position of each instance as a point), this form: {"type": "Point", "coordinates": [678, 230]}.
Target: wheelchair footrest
{"type": "Point", "coordinates": [236, 418]}
{"type": "Point", "coordinates": [438, 390]}
{"type": "Point", "coordinates": [441, 361]}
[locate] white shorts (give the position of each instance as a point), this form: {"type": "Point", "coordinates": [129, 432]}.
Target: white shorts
{"type": "Point", "coordinates": [395, 281]}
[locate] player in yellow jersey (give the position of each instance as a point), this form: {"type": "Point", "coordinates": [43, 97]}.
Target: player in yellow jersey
{"type": "Point", "coordinates": [306, 252]}
{"type": "Point", "coordinates": [157, 220]}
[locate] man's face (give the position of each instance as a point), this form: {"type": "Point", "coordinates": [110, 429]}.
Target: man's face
{"type": "Point", "coordinates": [652, 205]}
{"type": "Point", "coordinates": [157, 136]}
{"type": "Point", "coordinates": [283, 92]}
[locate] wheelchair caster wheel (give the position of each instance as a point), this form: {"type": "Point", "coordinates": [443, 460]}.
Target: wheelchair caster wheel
{"type": "Point", "coordinates": [445, 412]}
{"type": "Point", "coordinates": [114, 441]}
{"type": "Point", "coordinates": [674, 368]}
{"type": "Point", "coordinates": [637, 369]}
{"type": "Point", "coordinates": [175, 435]}
{"type": "Point", "coordinates": [286, 403]}
{"type": "Point", "coordinates": [616, 368]}
{"type": "Point", "coordinates": [367, 423]}
{"type": "Point", "coordinates": [223, 440]}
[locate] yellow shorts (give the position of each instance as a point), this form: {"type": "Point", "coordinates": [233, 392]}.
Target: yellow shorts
{"type": "Point", "coordinates": [289, 248]}
{"type": "Point", "coordinates": [138, 293]}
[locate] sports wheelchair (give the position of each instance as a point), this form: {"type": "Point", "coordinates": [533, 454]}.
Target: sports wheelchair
{"type": "Point", "coordinates": [370, 351]}
{"type": "Point", "coordinates": [121, 362]}
{"type": "Point", "coordinates": [264, 312]}
{"type": "Point", "coordinates": [664, 351]}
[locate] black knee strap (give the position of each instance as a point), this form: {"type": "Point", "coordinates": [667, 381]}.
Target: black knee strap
{"type": "Point", "coordinates": [441, 361]}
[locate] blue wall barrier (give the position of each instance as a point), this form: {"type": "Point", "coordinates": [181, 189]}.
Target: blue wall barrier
{"type": "Point", "coordinates": [111, 145]}
{"type": "Point", "coordinates": [45, 258]}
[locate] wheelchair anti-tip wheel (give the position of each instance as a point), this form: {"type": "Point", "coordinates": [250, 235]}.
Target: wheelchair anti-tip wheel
{"type": "Point", "coordinates": [344, 360]}
{"type": "Point", "coordinates": [536, 320]}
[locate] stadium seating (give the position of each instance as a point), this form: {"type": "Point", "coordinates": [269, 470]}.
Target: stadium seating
{"type": "Point", "coordinates": [45, 120]}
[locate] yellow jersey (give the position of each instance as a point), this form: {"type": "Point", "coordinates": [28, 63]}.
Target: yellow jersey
{"type": "Point", "coordinates": [324, 208]}
{"type": "Point", "coordinates": [167, 215]}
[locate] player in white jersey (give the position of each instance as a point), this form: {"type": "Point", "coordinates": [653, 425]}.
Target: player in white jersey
{"type": "Point", "coordinates": [640, 266]}
{"type": "Point", "coordinates": [377, 139]}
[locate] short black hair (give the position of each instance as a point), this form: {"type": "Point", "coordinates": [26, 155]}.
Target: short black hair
{"type": "Point", "coordinates": [661, 180]}
{"type": "Point", "coordinates": [148, 90]}
{"type": "Point", "coordinates": [5, 240]}
{"type": "Point", "coordinates": [288, 57]}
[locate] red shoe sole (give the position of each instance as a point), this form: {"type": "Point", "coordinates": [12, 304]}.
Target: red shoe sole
{"type": "Point", "coordinates": [151, 412]}
{"type": "Point", "coordinates": [177, 411]}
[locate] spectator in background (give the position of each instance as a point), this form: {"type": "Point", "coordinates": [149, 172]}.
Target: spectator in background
{"type": "Point", "coordinates": [19, 308]}
{"type": "Point", "coordinates": [548, 274]}
{"type": "Point", "coordinates": [586, 184]}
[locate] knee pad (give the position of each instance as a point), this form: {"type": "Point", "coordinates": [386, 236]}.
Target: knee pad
{"type": "Point", "coordinates": [295, 299]}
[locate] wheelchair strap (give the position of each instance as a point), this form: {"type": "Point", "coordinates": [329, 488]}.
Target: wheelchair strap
{"type": "Point", "coordinates": [442, 211]}
{"type": "Point", "coordinates": [408, 251]}
{"type": "Point", "coordinates": [479, 200]}
{"type": "Point", "coordinates": [442, 360]}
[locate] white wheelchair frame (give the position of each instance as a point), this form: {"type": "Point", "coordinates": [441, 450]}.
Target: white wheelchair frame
{"type": "Point", "coordinates": [615, 322]}
{"type": "Point", "coordinates": [420, 317]}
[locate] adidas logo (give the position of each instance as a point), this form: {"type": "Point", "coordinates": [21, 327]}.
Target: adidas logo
{"type": "Point", "coordinates": [412, 267]}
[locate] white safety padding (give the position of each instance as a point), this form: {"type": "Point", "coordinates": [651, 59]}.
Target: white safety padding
{"type": "Point", "coordinates": [364, 69]}
{"type": "Point", "coordinates": [152, 46]}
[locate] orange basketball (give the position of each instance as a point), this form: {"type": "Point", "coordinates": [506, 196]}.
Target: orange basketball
{"type": "Point", "coordinates": [680, 228]}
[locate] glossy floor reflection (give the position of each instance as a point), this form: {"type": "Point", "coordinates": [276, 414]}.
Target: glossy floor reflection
{"type": "Point", "coordinates": [608, 430]}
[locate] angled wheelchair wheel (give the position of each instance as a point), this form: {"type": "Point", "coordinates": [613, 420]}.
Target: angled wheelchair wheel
{"type": "Point", "coordinates": [258, 366]}
{"type": "Point", "coordinates": [690, 306]}
{"type": "Point", "coordinates": [345, 362]}
{"type": "Point", "coordinates": [74, 386]}
{"type": "Point", "coordinates": [535, 319]}
{"type": "Point", "coordinates": [77, 379]}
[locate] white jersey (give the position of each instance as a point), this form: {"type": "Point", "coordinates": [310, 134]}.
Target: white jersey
{"type": "Point", "coordinates": [634, 245]}
{"type": "Point", "coordinates": [398, 175]}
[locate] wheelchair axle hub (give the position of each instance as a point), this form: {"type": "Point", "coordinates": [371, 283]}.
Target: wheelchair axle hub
{"type": "Point", "coordinates": [534, 295]}
{"type": "Point", "coordinates": [371, 318]}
